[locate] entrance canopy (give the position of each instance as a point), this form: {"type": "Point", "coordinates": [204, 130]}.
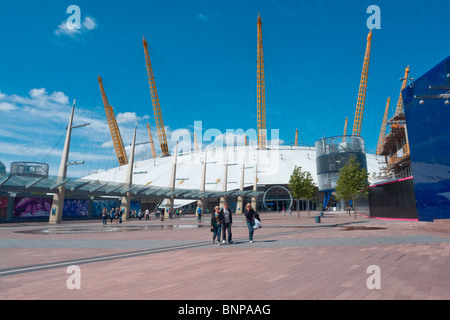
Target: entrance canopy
{"type": "Point", "coordinates": [14, 183]}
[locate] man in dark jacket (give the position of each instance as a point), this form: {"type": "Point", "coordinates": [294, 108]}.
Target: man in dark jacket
{"type": "Point", "coordinates": [226, 224]}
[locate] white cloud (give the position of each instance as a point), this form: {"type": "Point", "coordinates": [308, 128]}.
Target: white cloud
{"type": "Point", "coordinates": [89, 23]}
{"type": "Point", "coordinates": [19, 149]}
{"type": "Point", "coordinates": [107, 144]}
{"type": "Point", "coordinates": [59, 97]}
{"type": "Point", "coordinates": [36, 93]}
{"type": "Point", "coordinates": [127, 117]}
{"type": "Point", "coordinates": [40, 98]}
{"type": "Point", "coordinates": [203, 17]}
{"type": "Point", "coordinates": [33, 129]}
{"type": "Point", "coordinates": [64, 29]}
{"type": "Point", "coordinates": [56, 96]}
{"type": "Point", "coordinates": [6, 106]}
{"type": "Point", "coordinates": [38, 104]}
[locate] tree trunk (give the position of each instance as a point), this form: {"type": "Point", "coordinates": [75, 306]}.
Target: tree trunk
{"type": "Point", "coordinates": [354, 206]}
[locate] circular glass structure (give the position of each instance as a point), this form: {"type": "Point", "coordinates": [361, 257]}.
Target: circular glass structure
{"type": "Point", "coordinates": [276, 198]}
{"type": "Point", "coordinates": [30, 168]}
{"type": "Point", "coordinates": [332, 154]}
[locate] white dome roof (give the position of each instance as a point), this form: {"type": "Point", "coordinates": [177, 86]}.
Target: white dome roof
{"type": "Point", "coordinates": [274, 168]}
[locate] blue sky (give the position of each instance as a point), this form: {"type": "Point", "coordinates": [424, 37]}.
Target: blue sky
{"type": "Point", "coordinates": [204, 58]}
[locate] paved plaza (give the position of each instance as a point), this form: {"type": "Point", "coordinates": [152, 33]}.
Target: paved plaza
{"type": "Point", "coordinates": [292, 258]}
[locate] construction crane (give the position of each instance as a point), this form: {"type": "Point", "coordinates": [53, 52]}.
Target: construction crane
{"type": "Point", "coordinates": [383, 128]}
{"type": "Point", "coordinates": [397, 111]}
{"type": "Point", "coordinates": [362, 89]}
{"type": "Point", "coordinates": [155, 103]}
{"type": "Point", "coordinates": [400, 98]}
{"type": "Point", "coordinates": [152, 145]}
{"type": "Point", "coordinates": [261, 90]}
{"type": "Point", "coordinates": [113, 127]}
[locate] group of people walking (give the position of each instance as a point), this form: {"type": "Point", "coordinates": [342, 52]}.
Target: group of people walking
{"type": "Point", "coordinates": [115, 214]}
{"type": "Point", "coordinates": [222, 219]}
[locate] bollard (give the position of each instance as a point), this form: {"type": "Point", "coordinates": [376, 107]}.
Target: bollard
{"type": "Point", "coordinates": [317, 219]}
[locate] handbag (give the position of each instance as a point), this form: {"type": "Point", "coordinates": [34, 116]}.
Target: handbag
{"type": "Point", "coordinates": [257, 224]}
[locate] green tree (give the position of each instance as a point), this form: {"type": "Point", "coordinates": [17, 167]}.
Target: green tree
{"type": "Point", "coordinates": [302, 186]}
{"type": "Point", "coordinates": [352, 180]}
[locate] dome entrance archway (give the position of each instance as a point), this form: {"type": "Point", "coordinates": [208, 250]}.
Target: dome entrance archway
{"type": "Point", "coordinates": [277, 198]}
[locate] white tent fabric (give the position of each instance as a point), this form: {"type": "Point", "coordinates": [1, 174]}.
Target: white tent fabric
{"type": "Point", "coordinates": [274, 168]}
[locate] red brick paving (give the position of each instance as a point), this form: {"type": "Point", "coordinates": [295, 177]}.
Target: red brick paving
{"type": "Point", "coordinates": [274, 267]}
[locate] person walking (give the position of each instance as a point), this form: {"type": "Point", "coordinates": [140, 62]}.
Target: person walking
{"type": "Point", "coordinates": [116, 215]}
{"type": "Point", "coordinates": [249, 218]}
{"type": "Point", "coordinates": [104, 216]}
{"type": "Point", "coordinates": [111, 214]}
{"type": "Point", "coordinates": [199, 214]}
{"type": "Point", "coordinates": [216, 224]}
{"type": "Point", "coordinates": [226, 225]}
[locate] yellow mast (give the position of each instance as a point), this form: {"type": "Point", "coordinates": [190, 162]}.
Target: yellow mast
{"type": "Point", "coordinates": [362, 89]}
{"type": "Point", "coordinates": [383, 128]}
{"type": "Point", "coordinates": [113, 127]}
{"type": "Point", "coordinates": [155, 103]}
{"type": "Point", "coordinates": [345, 127]}
{"type": "Point", "coordinates": [345, 130]}
{"type": "Point", "coordinates": [400, 98]}
{"type": "Point", "coordinates": [261, 90]}
{"type": "Point", "coordinates": [152, 145]}
{"type": "Point", "coordinates": [195, 142]}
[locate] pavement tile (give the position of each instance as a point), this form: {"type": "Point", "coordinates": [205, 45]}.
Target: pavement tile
{"type": "Point", "coordinates": [291, 259]}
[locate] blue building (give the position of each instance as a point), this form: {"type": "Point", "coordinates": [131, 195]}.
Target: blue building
{"type": "Point", "coordinates": [427, 112]}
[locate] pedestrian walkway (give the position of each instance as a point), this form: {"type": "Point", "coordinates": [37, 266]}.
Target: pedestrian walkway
{"type": "Point", "coordinates": [292, 258]}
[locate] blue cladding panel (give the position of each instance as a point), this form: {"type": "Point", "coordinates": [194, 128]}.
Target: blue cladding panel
{"type": "Point", "coordinates": [428, 128]}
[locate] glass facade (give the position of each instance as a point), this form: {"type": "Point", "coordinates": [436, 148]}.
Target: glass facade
{"type": "Point", "coordinates": [30, 168]}
{"type": "Point", "coordinates": [427, 112]}
{"type": "Point", "coordinates": [332, 154]}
